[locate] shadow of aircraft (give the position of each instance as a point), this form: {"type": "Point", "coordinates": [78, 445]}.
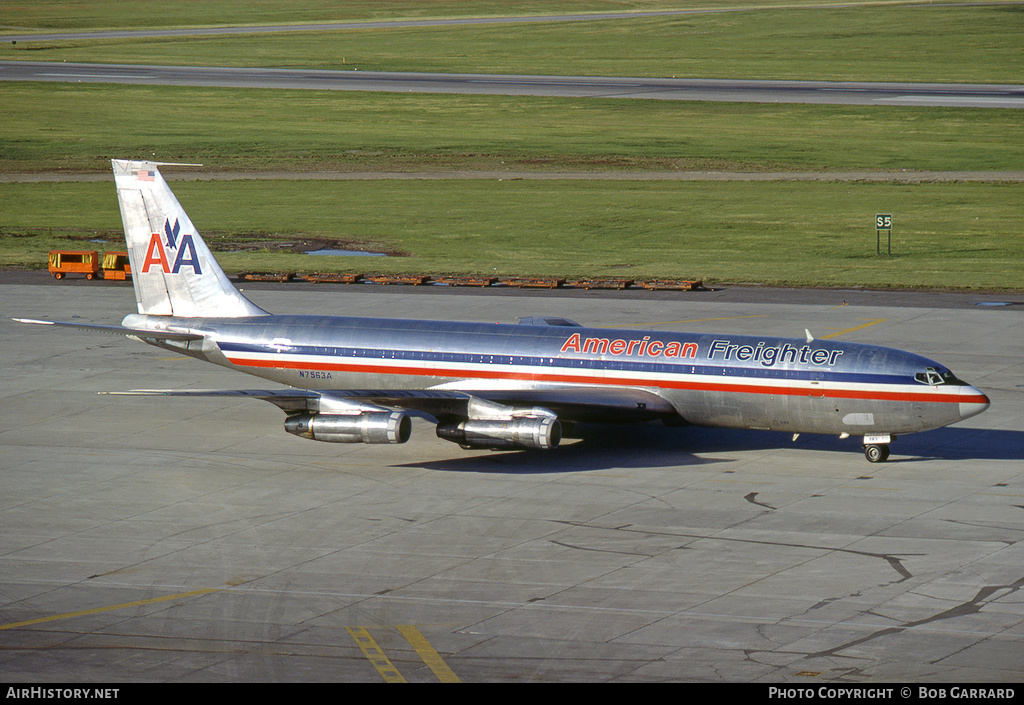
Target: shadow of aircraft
{"type": "Point", "coordinates": [961, 443]}
{"type": "Point", "coordinates": [600, 447]}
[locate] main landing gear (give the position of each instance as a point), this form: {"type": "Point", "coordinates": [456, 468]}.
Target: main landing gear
{"type": "Point", "coordinates": [876, 448]}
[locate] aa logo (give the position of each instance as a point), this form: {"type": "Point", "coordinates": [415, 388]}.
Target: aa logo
{"type": "Point", "coordinates": [184, 251]}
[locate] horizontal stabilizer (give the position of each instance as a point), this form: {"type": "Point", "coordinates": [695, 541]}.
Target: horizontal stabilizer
{"type": "Point", "coordinates": [180, 336]}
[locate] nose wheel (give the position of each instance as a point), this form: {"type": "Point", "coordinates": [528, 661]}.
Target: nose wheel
{"type": "Point", "coordinates": [876, 447]}
{"type": "Point", "coordinates": [876, 452]}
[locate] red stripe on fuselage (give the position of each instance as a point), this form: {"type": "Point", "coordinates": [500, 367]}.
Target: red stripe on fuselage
{"type": "Point", "coordinates": [738, 388]}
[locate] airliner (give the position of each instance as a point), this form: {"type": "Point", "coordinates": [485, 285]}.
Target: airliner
{"type": "Point", "coordinates": [505, 386]}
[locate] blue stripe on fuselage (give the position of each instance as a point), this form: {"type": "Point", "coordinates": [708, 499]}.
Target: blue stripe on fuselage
{"type": "Point", "coordinates": [568, 363]}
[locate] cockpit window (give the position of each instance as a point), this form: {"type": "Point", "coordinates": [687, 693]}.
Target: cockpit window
{"type": "Point", "coordinates": [935, 376]}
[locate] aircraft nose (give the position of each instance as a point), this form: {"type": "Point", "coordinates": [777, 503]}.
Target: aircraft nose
{"type": "Point", "coordinates": [972, 402]}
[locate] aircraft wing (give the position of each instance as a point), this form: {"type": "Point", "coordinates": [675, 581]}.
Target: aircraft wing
{"type": "Point", "coordinates": [293, 401]}
{"type": "Point", "coordinates": [589, 404]}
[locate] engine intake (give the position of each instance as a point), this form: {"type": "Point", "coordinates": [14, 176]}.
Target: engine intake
{"type": "Point", "coordinates": [367, 427]}
{"type": "Point", "coordinates": [519, 432]}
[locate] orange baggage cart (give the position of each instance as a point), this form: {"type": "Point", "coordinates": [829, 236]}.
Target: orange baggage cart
{"type": "Point", "coordinates": [85, 262]}
{"type": "Point", "coordinates": [116, 265]}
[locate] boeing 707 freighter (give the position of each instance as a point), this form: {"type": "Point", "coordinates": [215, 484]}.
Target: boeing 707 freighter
{"type": "Point", "coordinates": [495, 386]}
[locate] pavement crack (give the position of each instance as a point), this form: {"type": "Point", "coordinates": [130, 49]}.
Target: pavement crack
{"type": "Point", "coordinates": [896, 563]}
{"type": "Point", "coordinates": [752, 498]}
{"type": "Point", "coordinates": [984, 596]}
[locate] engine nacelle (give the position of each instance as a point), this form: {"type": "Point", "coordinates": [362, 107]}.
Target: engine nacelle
{"type": "Point", "coordinates": [366, 427]}
{"type": "Point", "coordinates": [518, 432]}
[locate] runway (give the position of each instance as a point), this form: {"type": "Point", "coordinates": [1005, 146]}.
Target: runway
{"type": "Point", "coordinates": [817, 92]}
{"type": "Point", "coordinates": [193, 540]}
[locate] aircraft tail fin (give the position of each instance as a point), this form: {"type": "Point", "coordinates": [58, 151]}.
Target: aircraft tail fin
{"type": "Point", "coordinates": [173, 270]}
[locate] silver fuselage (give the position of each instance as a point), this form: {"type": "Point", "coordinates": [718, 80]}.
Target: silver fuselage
{"type": "Point", "coordinates": [760, 382]}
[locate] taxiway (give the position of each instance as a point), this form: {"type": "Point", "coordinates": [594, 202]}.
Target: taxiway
{"type": "Point", "coordinates": [819, 92]}
{"type": "Point", "coordinates": [146, 539]}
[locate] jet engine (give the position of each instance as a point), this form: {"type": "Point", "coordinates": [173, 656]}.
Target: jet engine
{"type": "Point", "coordinates": [518, 432]}
{"type": "Point", "coordinates": [365, 427]}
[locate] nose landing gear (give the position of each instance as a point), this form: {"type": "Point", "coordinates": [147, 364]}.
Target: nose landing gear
{"type": "Point", "coordinates": [876, 448]}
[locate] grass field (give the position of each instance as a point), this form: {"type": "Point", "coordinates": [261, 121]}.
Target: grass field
{"type": "Point", "coordinates": [945, 235]}
{"type": "Point", "coordinates": [961, 235]}
{"type": "Point", "coordinates": [67, 15]}
{"type": "Point", "coordinates": [80, 127]}
{"type": "Point", "coordinates": [89, 14]}
{"type": "Point", "coordinates": [877, 42]}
